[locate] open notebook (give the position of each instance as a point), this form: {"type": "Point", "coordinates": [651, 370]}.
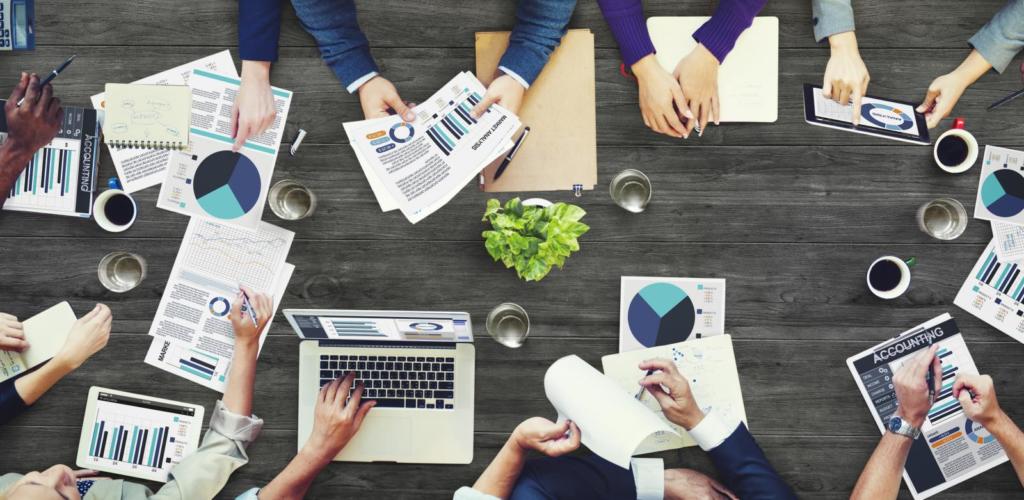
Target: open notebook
{"type": "Point", "coordinates": [147, 116]}
{"type": "Point", "coordinates": [45, 333]}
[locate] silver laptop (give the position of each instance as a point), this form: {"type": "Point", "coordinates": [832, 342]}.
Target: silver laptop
{"type": "Point", "coordinates": [418, 366]}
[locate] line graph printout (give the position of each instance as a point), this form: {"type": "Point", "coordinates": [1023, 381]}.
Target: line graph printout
{"type": "Point", "coordinates": [191, 325]}
{"type": "Point", "coordinates": [1009, 240]}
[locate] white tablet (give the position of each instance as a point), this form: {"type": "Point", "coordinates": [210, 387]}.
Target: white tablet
{"type": "Point", "coordinates": [885, 118]}
{"type": "Point", "coordinates": [135, 435]}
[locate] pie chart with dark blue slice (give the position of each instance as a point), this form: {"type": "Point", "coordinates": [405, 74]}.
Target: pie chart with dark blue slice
{"type": "Point", "coordinates": [227, 185]}
{"type": "Point", "coordinates": [660, 314]}
{"type": "Point", "coordinates": [1002, 192]}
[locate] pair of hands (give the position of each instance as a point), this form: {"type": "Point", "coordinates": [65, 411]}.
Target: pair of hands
{"type": "Point", "coordinates": [36, 122]}
{"type": "Point", "coordinates": [688, 98]}
{"type": "Point", "coordinates": [88, 335]}
{"type": "Point", "coordinates": [976, 393]}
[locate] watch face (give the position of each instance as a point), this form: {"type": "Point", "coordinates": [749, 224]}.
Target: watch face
{"type": "Point", "coordinates": [895, 423]}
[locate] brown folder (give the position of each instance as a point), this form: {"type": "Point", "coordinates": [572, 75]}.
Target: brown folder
{"type": "Point", "coordinates": [559, 108]}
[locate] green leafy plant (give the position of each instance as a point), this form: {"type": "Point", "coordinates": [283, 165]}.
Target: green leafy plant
{"type": "Point", "coordinates": [532, 239]}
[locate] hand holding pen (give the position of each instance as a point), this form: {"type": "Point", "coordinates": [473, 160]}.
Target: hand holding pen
{"type": "Point", "coordinates": [672, 391]}
{"type": "Point", "coordinates": [53, 74]}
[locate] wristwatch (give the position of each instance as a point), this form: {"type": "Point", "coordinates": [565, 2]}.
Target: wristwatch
{"type": "Point", "coordinates": [903, 428]}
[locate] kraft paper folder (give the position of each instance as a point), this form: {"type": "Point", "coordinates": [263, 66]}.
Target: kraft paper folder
{"type": "Point", "coordinates": [559, 108]}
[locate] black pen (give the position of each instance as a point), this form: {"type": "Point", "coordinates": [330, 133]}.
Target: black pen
{"type": "Point", "coordinates": [511, 154]}
{"type": "Point", "coordinates": [640, 394]}
{"type": "Point", "coordinates": [1005, 100]}
{"type": "Point", "coordinates": [53, 74]}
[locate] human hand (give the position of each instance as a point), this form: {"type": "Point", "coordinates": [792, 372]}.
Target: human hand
{"type": "Point", "coordinates": [912, 394]}
{"type": "Point", "coordinates": [59, 481]}
{"type": "Point", "coordinates": [687, 484]}
{"type": "Point", "coordinates": [846, 76]}
{"type": "Point", "coordinates": [943, 94]}
{"type": "Point", "coordinates": [662, 103]}
{"type": "Point", "coordinates": [697, 74]}
{"type": "Point", "coordinates": [254, 109]}
{"type": "Point", "coordinates": [977, 397]}
{"type": "Point", "coordinates": [677, 403]}
{"type": "Point", "coordinates": [12, 338]}
{"type": "Point", "coordinates": [547, 437]}
{"type": "Point", "coordinates": [334, 420]}
{"type": "Point", "coordinates": [378, 96]}
{"type": "Point", "coordinates": [504, 90]}
{"type": "Point", "coordinates": [36, 122]}
{"type": "Point", "coordinates": [88, 335]}
{"type": "Point", "coordinates": [241, 322]}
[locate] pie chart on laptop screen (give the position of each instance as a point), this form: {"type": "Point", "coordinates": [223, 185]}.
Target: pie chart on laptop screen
{"type": "Point", "coordinates": [661, 313]}
{"type": "Point", "coordinates": [227, 185]}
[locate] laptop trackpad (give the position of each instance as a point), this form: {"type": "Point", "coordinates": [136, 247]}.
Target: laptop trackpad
{"type": "Point", "coordinates": [382, 437]}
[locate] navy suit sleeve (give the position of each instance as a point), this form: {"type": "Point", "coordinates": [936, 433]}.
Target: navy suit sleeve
{"type": "Point", "coordinates": [540, 25]}
{"type": "Point", "coordinates": [11, 404]}
{"type": "Point", "coordinates": [745, 470]}
{"type": "Point", "coordinates": [259, 26]}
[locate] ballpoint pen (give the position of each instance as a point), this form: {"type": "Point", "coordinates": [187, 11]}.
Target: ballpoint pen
{"type": "Point", "coordinates": [248, 308]}
{"type": "Point", "coordinates": [640, 394]}
{"type": "Point", "coordinates": [1005, 100]}
{"type": "Point", "coordinates": [53, 74]}
{"type": "Point", "coordinates": [511, 154]}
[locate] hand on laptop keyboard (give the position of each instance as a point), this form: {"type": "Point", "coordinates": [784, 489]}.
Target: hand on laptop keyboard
{"type": "Point", "coordinates": [337, 416]}
{"type": "Point", "coordinates": [397, 381]}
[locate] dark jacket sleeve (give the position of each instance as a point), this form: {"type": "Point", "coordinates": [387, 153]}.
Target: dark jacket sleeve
{"type": "Point", "coordinates": [259, 26]}
{"type": "Point", "coordinates": [745, 470]}
{"type": "Point", "coordinates": [540, 25]}
{"type": "Point", "coordinates": [11, 404]}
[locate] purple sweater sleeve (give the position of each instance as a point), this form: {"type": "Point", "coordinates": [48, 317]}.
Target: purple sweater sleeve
{"type": "Point", "coordinates": [731, 17]}
{"type": "Point", "coordinates": [626, 20]}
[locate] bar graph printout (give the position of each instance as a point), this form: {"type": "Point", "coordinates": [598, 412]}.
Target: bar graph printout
{"type": "Point", "coordinates": [994, 292]}
{"type": "Point", "coordinates": [137, 436]}
{"type": "Point", "coordinates": [951, 448]}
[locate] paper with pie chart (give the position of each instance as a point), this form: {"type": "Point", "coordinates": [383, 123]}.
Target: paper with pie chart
{"type": "Point", "coordinates": [209, 180]}
{"type": "Point", "coordinates": [662, 311]}
{"type": "Point", "coordinates": [1001, 186]}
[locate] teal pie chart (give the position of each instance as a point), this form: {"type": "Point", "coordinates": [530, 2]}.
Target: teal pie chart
{"type": "Point", "coordinates": [227, 185]}
{"type": "Point", "coordinates": [1002, 192]}
{"type": "Point", "coordinates": [660, 314]}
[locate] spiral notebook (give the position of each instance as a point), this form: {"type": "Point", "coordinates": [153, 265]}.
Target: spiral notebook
{"type": "Point", "coordinates": [147, 116]}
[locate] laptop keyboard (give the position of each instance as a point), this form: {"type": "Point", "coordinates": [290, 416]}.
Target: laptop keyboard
{"type": "Point", "coordinates": [421, 382]}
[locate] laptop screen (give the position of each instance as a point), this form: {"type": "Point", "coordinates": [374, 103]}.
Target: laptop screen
{"type": "Point", "coordinates": [381, 325]}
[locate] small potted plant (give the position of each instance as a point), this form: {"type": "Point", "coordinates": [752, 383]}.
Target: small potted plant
{"type": "Point", "coordinates": [534, 237]}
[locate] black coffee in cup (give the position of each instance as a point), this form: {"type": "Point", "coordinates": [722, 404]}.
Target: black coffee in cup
{"type": "Point", "coordinates": [119, 209]}
{"type": "Point", "coordinates": [885, 275]}
{"type": "Point", "coordinates": [952, 150]}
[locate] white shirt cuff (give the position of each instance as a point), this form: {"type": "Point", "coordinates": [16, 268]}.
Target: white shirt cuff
{"type": "Point", "coordinates": [515, 76]}
{"type": "Point", "coordinates": [712, 431]}
{"type": "Point", "coordinates": [649, 476]}
{"type": "Point", "coordinates": [354, 86]}
{"type": "Point", "coordinates": [251, 494]}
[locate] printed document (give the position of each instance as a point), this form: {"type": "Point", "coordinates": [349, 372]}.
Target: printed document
{"type": "Point", "coordinates": [951, 448]}
{"type": "Point", "coordinates": [1009, 240]}
{"type": "Point", "coordinates": [141, 168]}
{"type": "Point", "coordinates": [193, 334]}
{"type": "Point", "coordinates": [419, 166]}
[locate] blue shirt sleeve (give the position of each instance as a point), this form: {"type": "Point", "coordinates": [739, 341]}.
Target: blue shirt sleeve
{"type": "Point", "coordinates": [259, 27]}
{"type": "Point", "coordinates": [540, 25]}
{"type": "Point", "coordinates": [745, 470]}
{"type": "Point", "coordinates": [11, 404]}
{"type": "Point", "coordinates": [1002, 37]}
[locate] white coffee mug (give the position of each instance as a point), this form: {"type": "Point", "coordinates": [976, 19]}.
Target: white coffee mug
{"type": "Point", "coordinates": [972, 148]}
{"type": "Point", "coordinates": [901, 286]}
{"type": "Point", "coordinates": [99, 212]}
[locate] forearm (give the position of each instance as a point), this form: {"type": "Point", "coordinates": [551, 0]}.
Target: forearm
{"type": "Point", "coordinates": [12, 162]}
{"type": "Point", "coordinates": [1012, 440]}
{"type": "Point", "coordinates": [881, 475]}
{"type": "Point", "coordinates": [295, 479]}
{"type": "Point", "coordinates": [256, 70]}
{"type": "Point", "coordinates": [33, 385]}
{"type": "Point", "coordinates": [501, 475]}
{"type": "Point", "coordinates": [973, 67]}
{"type": "Point", "coordinates": [241, 377]}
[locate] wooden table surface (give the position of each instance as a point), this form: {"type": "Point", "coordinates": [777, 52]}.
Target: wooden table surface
{"type": "Point", "coordinates": [789, 214]}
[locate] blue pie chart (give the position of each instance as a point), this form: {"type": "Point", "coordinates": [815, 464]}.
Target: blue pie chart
{"type": "Point", "coordinates": [1002, 192]}
{"type": "Point", "coordinates": [660, 314]}
{"type": "Point", "coordinates": [227, 185]}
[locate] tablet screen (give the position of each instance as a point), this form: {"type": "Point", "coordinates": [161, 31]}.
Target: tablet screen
{"type": "Point", "coordinates": [874, 113]}
{"type": "Point", "coordinates": [137, 436]}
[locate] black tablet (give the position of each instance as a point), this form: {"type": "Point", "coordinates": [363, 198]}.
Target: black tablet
{"type": "Point", "coordinates": [878, 117]}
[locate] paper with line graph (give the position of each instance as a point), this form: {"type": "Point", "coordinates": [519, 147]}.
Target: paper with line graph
{"type": "Point", "coordinates": [1009, 240]}
{"type": "Point", "coordinates": [192, 334]}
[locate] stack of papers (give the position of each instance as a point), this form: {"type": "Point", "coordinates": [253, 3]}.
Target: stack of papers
{"type": "Point", "coordinates": [418, 166]}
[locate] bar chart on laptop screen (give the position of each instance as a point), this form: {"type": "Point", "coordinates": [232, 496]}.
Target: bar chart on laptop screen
{"type": "Point", "coordinates": [134, 434]}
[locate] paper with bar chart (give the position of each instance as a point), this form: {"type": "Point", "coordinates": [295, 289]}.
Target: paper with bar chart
{"type": "Point", "coordinates": [994, 292]}
{"type": "Point", "coordinates": [135, 435]}
{"type": "Point", "coordinates": [193, 337]}
{"type": "Point", "coordinates": [951, 447]}
{"type": "Point", "coordinates": [662, 311]}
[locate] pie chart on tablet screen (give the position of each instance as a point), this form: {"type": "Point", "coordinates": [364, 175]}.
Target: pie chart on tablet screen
{"type": "Point", "coordinates": [661, 313]}
{"type": "Point", "coordinates": [1002, 192]}
{"type": "Point", "coordinates": [227, 185]}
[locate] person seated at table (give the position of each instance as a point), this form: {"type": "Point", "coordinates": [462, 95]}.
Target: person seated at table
{"type": "Point", "coordinates": [674, 104]}
{"type": "Point", "coordinates": [994, 46]}
{"type": "Point", "coordinates": [846, 77]}
{"type": "Point", "coordinates": [88, 335]}
{"type": "Point", "coordinates": [335, 423]}
{"type": "Point", "coordinates": [202, 473]}
{"type": "Point", "coordinates": [29, 127]}
{"type": "Point", "coordinates": [539, 29]}
{"type": "Point", "coordinates": [744, 468]}
{"type": "Point", "coordinates": [881, 477]}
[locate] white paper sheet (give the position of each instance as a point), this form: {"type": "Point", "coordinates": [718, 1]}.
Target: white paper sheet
{"type": "Point", "coordinates": [1001, 186]}
{"type": "Point", "coordinates": [1009, 240]}
{"type": "Point", "coordinates": [662, 311]}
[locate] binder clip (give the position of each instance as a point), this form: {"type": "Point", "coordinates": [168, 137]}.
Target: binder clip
{"type": "Point", "coordinates": [577, 190]}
